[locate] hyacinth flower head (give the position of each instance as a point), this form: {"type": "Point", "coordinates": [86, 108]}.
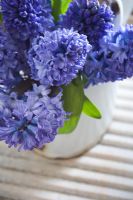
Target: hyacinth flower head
{"type": "Point", "coordinates": [115, 59]}
{"type": "Point", "coordinates": [11, 62]}
{"type": "Point", "coordinates": [32, 121]}
{"type": "Point", "coordinates": [89, 18]}
{"type": "Point", "coordinates": [25, 19]}
{"type": "Point", "coordinates": [57, 57]}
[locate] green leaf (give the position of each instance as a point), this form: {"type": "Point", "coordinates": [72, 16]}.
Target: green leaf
{"type": "Point", "coordinates": [59, 7]}
{"type": "Point", "coordinates": [90, 109]}
{"type": "Point", "coordinates": [64, 6]}
{"type": "Point", "coordinates": [69, 124]}
{"type": "Point", "coordinates": [56, 8]}
{"type": "Point", "coordinates": [73, 98]}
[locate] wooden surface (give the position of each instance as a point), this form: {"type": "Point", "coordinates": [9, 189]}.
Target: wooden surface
{"type": "Point", "coordinates": [103, 173]}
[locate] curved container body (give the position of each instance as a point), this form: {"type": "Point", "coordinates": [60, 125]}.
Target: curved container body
{"type": "Point", "coordinates": [89, 131]}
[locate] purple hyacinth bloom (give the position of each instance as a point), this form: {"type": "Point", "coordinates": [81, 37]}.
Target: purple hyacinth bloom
{"type": "Point", "coordinates": [88, 18]}
{"type": "Point", "coordinates": [94, 68]}
{"type": "Point", "coordinates": [57, 57]}
{"type": "Point", "coordinates": [115, 59]}
{"type": "Point", "coordinates": [30, 122]}
{"type": "Point", "coordinates": [10, 61]}
{"type": "Point", "coordinates": [25, 19]}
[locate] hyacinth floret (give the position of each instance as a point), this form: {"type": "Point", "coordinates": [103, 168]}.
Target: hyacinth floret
{"type": "Point", "coordinates": [30, 122]}
{"type": "Point", "coordinates": [25, 19]}
{"type": "Point", "coordinates": [88, 18]}
{"type": "Point", "coordinates": [57, 57]}
{"type": "Point", "coordinates": [115, 59]}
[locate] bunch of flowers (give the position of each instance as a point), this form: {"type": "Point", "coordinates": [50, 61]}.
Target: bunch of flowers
{"type": "Point", "coordinates": [50, 50]}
